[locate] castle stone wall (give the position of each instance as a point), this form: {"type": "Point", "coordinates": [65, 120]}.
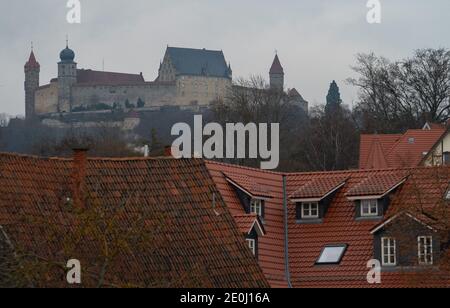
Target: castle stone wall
{"type": "Point", "coordinates": [198, 90]}
{"type": "Point", "coordinates": [152, 94]}
{"type": "Point", "coordinates": [46, 99]}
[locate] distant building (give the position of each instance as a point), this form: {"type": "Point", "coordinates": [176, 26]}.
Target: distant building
{"type": "Point", "coordinates": [429, 146]}
{"type": "Point", "coordinates": [187, 77]}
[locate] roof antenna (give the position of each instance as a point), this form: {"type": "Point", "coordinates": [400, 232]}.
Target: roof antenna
{"type": "Point", "coordinates": [103, 64]}
{"type": "Point", "coordinates": [67, 41]}
{"type": "Point", "coordinates": [32, 47]}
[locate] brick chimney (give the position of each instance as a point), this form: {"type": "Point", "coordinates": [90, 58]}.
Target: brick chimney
{"type": "Point", "coordinates": [79, 175]}
{"type": "Point", "coordinates": [168, 151]}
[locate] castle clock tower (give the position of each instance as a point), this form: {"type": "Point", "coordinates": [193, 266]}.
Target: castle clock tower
{"type": "Point", "coordinates": [67, 77]}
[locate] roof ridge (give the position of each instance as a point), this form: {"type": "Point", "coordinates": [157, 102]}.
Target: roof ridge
{"type": "Point", "coordinates": [54, 158]}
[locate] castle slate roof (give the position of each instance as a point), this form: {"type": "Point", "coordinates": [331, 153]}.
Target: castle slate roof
{"type": "Point", "coordinates": [91, 77]}
{"type": "Point", "coordinates": [276, 67]}
{"type": "Point", "coordinates": [198, 62]}
{"type": "Point", "coordinates": [191, 240]}
{"type": "Point", "coordinates": [32, 63]}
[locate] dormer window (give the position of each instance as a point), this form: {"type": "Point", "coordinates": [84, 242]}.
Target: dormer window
{"type": "Point", "coordinates": [369, 208]}
{"type": "Point", "coordinates": [256, 207]}
{"type": "Point", "coordinates": [425, 250]}
{"type": "Point", "coordinates": [310, 210]}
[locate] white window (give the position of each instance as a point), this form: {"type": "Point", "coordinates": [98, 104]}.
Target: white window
{"type": "Point", "coordinates": [388, 251]}
{"type": "Point", "coordinates": [332, 254]}
{"type": "Point", "coordinates": [425, 244]}
{"type": "Point", "coordinates": [310, 210]}
{"type": "Point", "coordinates": [256, 207]}
{"type": "Point", "coordinates": [252, 245]}
{"type": "Point", "coordinates": [369, 208]}
{"type": "Point", "coordinates": [447, 197]}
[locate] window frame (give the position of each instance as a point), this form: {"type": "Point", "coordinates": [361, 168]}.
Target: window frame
{"type": "Point", "coordinates": [392, 244]}
{"type": "Point", "coordinates": [251, 245]}
{"type": "Point", "coordinates": [423, 255]}
{"type": "Point", "coordinates": [446, 158]}
{"type": "Point", "coordinates": [369, 213]}
{"type": "Point", "coordinates": [344, 248]}
{"type": "Point", "coordinates": [310, 210]}
{"type": "Point", "coordinates": [256, 208]}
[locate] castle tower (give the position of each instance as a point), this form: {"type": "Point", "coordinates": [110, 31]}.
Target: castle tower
{"type": "Point", "coordinates": [67, 77]}
{"type": "Point", "coordinates": [276, 75]}
{"type": "Point", "coordinates": [32, 70]}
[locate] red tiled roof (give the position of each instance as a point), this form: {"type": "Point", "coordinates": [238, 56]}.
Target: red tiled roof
{"type": "Point", "coordinates": [271, 253]}
{"type": "Point", "coordinates": [339, 226]}
{"type": "Point", "coordinates": [32, 63]}
{"type": "Point", "coordinates": [319, 187]}
{"type": "Point", "coordinates": [398, 151]}
{"type": "Point", "coordinates": [193, 243]}
{"type": "Point", "coordinates": [249, 185]}
{"type": "Point", "coordinates": [378, 185]}
{"type": "Point", "coordinates": [374, 148]}
{"type": "Point", "coordinates": [246, 222]}
{"type": "Point", "coordinates": [90, 77]}
{"type": "Point", "coordinates": [276, 67]}
{"type": "Point", "coordinates": [306, 241]}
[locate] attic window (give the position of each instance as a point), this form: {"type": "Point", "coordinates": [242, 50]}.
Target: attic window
{"type": "Point", "coordinates": [256, 207]}
{"type": "Point", "coordinates": [369, 208]}
{"type": "Point", "coordinates": [310, 210]}
{"type": "Point", "coordinates": [332, 254]}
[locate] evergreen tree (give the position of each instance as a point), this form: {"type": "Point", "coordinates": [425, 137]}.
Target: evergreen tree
{"type": "Point", "coordinates": [333, 98]}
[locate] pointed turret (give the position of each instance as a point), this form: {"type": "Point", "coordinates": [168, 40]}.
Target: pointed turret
{"type": "Point", "coordinates": [276, 74]}
{"type": "Point", "coordinates": [32, 63]}
{"type": "Point", "coordinates": [32, 70]}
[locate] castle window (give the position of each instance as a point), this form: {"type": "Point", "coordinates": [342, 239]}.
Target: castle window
{"type": "Point", "coordinates": [425, 250]}
{"type": "Point", "coordinates": [388, 251]}
{"type": "Point", "coordinates": [310, 210]}
{"type": "Point", "coordinates": [369, 208]}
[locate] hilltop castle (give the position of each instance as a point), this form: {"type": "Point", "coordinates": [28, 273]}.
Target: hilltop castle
{"type": "Point", "coordinates": [187, 78]}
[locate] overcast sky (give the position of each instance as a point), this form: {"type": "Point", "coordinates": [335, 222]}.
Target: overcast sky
{"type": "Point", "coordinates": [316, 39]}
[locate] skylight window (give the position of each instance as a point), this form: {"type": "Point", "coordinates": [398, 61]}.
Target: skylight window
{"type": "Point", "coordinates": [332, 254]}
{"type": "Point", "coordinates": [412, 140]}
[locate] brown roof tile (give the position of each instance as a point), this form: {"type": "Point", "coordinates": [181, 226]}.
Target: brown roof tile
{"type": "Point", "coordinates": [194, 244]}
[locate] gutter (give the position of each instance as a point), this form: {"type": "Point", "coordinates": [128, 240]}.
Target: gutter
{"type": "Point", "coordinates": [286, 233]}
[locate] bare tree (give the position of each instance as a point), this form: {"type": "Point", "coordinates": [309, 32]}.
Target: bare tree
{"type": "Point", "coordinates": [394, 96]}
{"type": "Point", "coordinates": [253, 101]}
{"type": "Point", "coordinates": [330, 142]}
